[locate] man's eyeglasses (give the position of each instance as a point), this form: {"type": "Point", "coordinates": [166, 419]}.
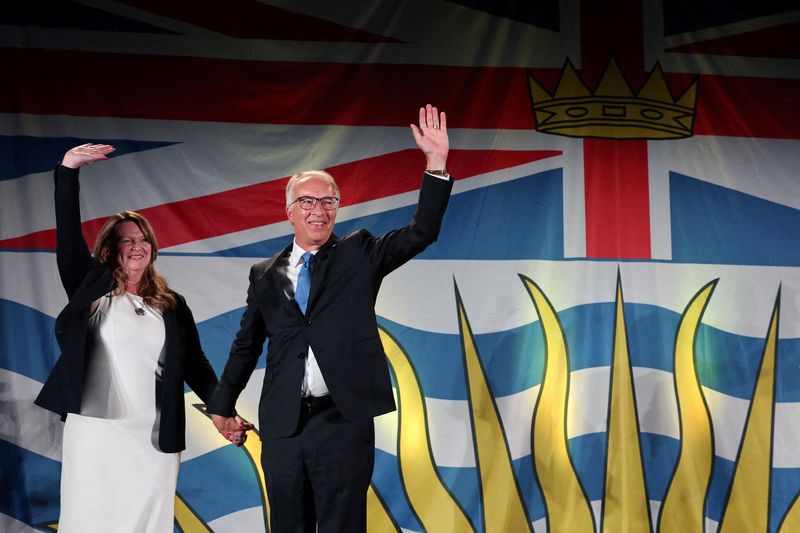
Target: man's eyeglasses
{"type": "Point", "coordinates": [329, 203]}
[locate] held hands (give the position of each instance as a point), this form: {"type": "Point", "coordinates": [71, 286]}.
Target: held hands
{"type": "Point", "coordinates": [86, 154]}
{"type": "Point", "coordinates": [431, 136]}
{"type": "Point", "coordinates": [233, 428]}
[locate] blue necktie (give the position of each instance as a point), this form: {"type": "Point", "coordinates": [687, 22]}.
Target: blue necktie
{"type": "Point", "coordinates": [304, 282]}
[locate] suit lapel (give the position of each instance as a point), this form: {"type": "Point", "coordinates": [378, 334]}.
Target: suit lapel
{"type": "Point", "coordinates": [277, 282]}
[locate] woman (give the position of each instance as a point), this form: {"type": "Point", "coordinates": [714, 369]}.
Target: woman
{"type": "Point", "coordinates": [127, 343]}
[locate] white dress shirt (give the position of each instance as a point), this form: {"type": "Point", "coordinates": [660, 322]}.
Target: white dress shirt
{"type": "Point", "coordinates": [313, 382]}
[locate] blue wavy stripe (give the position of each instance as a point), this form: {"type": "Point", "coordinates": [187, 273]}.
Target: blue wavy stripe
{"type": "Point", "coordinates": [30, 482]}
{"type": "Point", "coordinates": [386, 477]}
{"type": "Point", "coordinates": [785, 486]}
{"type": "Point", "coordinates": [28, 345]}
{"type": "Point", "coordinates": [589, 457]}
{"type": "Point", "coordinates": [219, 483]}
{"type": "Point", "coordinates": [27, 340]}
{"type": "Point", "coordinates": [716, 225]}
{"type": "Point", "coordinates": [463, 485]}
{"type": "Point", "coordinates": [513, 359]}
{"type": "Point", "coordinates": [216, 337]}
{"type": "Point", "coordinates": [21, 155]}
{"type": "Point", "coordinates": [506, 209]}
{"type": "Point", "coordinates": [29, 485]}
{"type": "Point", "coordinates": [215, 484]}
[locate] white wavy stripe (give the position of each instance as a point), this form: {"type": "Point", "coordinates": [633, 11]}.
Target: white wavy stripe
{"type": "Point", "coordinates": [31, 279]}
{"type": "Point", "coordinates": [249, 520]}
{"type": "Point", "coordinates": [24, 424]}
{"type": "Point", "coordinates": [421, 294]}
{"type": "Point", "coordinates": [540, 525]}
{"type": "Point", "coordinates": [211, 285]}
{"type": "Point", "coordinates": [202, 437]}
{"type": "Point", "coordinates": [451, 434]}
{"type": "Point", "coordinates": [12, 525]}
{"type": "Point", "coordinates": [39, 431]}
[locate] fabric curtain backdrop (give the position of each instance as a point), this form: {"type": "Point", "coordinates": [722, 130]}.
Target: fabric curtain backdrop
{"type": "Point", "coordinates": [606, 334]}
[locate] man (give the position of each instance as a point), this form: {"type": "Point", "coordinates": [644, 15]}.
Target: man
{"type": "Point", "coordinates": [326, 375]}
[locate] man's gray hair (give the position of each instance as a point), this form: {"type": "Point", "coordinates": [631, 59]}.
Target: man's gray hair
{"type": "Point", "coordinates": [320, 174]}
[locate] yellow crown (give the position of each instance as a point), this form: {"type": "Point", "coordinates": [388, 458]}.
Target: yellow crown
{"type": "Point", "coordinates": [612, 111]}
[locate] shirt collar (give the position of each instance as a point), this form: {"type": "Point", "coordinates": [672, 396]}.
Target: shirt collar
{"type": "Point", "coordinates": [296, 257]}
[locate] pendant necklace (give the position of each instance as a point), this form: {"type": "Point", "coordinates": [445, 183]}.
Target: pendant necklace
{"type": "Point", "coordinates": [137, 309]}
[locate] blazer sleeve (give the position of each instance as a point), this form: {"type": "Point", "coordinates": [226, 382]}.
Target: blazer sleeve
{"type": "Point", "coordinates": [245, 351]}
{"type": "Point", "coordinates": [198, 372]}
{"type": "Point", "coordinates": [398, 246]}
{"type": "Point", "coordinates": [72, 253]}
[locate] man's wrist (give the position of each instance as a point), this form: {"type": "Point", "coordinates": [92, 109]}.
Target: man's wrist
{"type": "Point", "coordinates": [441, 172]}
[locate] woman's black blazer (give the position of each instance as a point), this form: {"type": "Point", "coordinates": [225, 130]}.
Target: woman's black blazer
{"type": "Point", "coordinates": [86, 280]}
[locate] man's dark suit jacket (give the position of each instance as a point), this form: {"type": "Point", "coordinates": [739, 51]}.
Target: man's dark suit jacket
{"type": "Point", "coordinates": [339, 324]}
{"type": "Point", "coordinates": [86, 280]}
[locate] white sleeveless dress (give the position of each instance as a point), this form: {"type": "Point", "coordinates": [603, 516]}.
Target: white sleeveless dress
{"type": "Point", "coordinates": [113, 478]}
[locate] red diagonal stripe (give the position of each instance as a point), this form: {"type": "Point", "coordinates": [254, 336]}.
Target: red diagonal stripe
{"type": "Point", "coordinates": [263, 203]}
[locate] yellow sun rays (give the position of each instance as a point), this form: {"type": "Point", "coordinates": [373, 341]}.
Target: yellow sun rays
{"type": "Point", "coordinates": [626, 507]}
{"type": "Point", "coordinates": [747, 508]}
{"type": "Point", "coordinates": [432, 503]}
{"type": "Point", "coordinates": [567, 506]}
{"type": "Point", "coordinates": [683, 508]}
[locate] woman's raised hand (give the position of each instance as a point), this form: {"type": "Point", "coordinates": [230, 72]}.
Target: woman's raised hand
{"type": "Point", "coordinates": [86, 154]}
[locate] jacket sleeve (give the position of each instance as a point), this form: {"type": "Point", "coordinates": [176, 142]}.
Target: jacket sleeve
{"type": "Point", "coordinates": [245, 351]}
{"type": "Point", "coordinates": [198, 372]}
{"type": "Point", "coordinates": [72, 253]}
{"type": "Point", "coordinates": [398, 246]}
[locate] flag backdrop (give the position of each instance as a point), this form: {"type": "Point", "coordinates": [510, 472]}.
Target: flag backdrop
{"type": "Point", "coordinates": [606, 336]}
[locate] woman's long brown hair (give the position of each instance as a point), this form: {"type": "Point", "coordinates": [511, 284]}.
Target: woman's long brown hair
{"type": "Point", "coordinates": [153, 288]}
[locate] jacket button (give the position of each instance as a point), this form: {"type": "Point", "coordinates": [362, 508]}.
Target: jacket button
{"type": "Point", "coordinates": [308, 322]}
{"type": "Point", "coordinates": [301, 355]}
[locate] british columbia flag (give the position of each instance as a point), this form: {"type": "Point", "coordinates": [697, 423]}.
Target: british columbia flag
{"type": "Point", "coordinates": [606, 336]}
